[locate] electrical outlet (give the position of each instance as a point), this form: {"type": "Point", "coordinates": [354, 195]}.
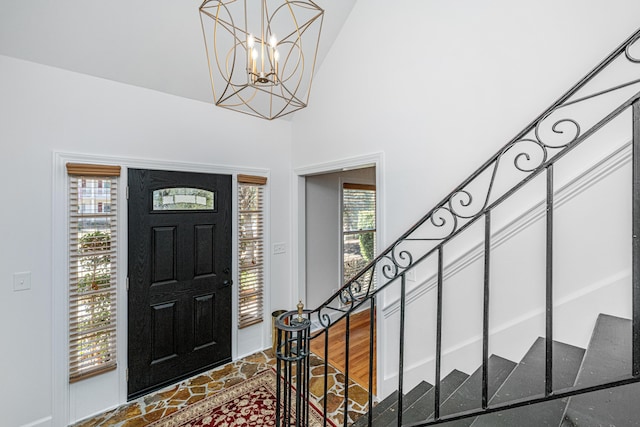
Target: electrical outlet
{"type": "Point", "coordinates": [22, 281]}
{"type": "Point", "coordinates": [279, 248]}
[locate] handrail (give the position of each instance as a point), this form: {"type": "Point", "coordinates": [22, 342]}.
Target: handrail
{"type": "Point", "coordinates": [531, 153]}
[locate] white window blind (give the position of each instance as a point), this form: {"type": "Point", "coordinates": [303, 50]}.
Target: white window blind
{"type": "Point", "coordinates": [358, 231]}
{"type": "Point", "coordinates": [251, 249]}
{"type": "Point", "coordinates": [92, 269]}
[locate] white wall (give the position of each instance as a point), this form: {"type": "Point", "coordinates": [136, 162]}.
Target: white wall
{"type": "Point", "coordinates": [323, 225]}
{"type": "Point", "coordinates": [440, 86]}
{"type": "Point", "coordinates": [45, 110]}
{"type": "Point", "coordinates": [591, 275]}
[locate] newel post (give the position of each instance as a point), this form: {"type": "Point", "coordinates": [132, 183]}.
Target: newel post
{"type": "Point", "coordinates": [292, 368]}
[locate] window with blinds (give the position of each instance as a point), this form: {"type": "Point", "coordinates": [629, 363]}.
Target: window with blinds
{"type": "Point", "coordinates": [358, 231]}
{"type": "Point", "coordinates": [93, 225]}
{"type": "Point", "coordinates": [250, 249]}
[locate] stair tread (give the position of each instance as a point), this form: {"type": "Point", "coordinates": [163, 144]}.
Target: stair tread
{"type": "Point", "coordinates": [391, 414]}
{"type": "Point", "coordinates": [608, 357]}
{"type": "Point", "coordinates": [527, 380]}
{"type": "Point", "coordinates": [415, 393]}
{"type": "Point", "coordinates": [422, 407]}
{"type": "Point", "coordinates": [469, 394]}
{"type": "Point", "coordinates": [378, 410]}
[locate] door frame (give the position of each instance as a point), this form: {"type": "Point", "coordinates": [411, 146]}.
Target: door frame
{"type": "Point", "coordinates": [61, 389]}
{"type": "Point", "coordinates": [298, 224]}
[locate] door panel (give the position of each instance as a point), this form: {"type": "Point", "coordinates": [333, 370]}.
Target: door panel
{"type": "Point", "coordinates": [205, 314]}
{"type": "Point", "coordinates": [179, 276]}
{"type": "Point", "coordinates": [204, 250]}
{"type": "Point", "coordinates": [164, 254]}
{"type": "Point", "coordinates": [163, 344]}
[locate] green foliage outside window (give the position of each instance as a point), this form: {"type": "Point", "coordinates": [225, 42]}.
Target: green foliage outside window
{"type": "Point", "coordinates": [366, 221]}
{"type": "Point", "coordinates": [95, 275]}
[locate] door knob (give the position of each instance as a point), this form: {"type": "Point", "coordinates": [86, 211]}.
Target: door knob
{"type": "Point", "coordinates": [227, 282]}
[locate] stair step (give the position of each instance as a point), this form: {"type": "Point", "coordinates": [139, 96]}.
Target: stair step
{"type": "Point", "coordinates": [527, 380]}
{"type": "Point", "coordinates": [469, 395]}
{"type": "Point", "coordinates": [378, 410]}
{"type": "Point", "coordinates": [390, 416]}
{"type": "Point", "coordinates": [421, 407]}
{"type": "Point", "coordinates": [607, 358]}
{"type": "Point", "coordinates": [416, 393]}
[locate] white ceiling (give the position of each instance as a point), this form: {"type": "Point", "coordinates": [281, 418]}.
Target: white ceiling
{"type": "Point", "coordinates": [156, 45]}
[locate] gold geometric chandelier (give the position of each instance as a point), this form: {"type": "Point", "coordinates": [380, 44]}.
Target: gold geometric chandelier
{"type": "Point", "coordinates": [261, 53]}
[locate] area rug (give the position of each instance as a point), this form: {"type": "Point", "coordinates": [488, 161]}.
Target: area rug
{"type": "Point", "coordinates": [249, 403]}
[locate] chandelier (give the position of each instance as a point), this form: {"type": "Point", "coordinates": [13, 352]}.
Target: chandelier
{"type": "Point", "coordinates": [261, 53]}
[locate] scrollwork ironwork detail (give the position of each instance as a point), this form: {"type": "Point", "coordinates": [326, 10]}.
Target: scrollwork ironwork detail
{"type": "Point", "coordinates": [556, 128]}
{"type": "Point", "coordinates": [627, 52]}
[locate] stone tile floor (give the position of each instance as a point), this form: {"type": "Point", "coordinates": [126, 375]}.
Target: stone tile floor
{"type": "Point", "coordinates": [150, 408]}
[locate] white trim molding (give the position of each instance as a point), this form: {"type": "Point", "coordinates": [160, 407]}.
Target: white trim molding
{"type": "Point", "coordinates": [42, 422]}
{"type": "Point", "coordinates": [298, 231]}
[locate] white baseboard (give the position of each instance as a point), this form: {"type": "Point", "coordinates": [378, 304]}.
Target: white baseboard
{"type": "Point", "coordinates": [42, 422]}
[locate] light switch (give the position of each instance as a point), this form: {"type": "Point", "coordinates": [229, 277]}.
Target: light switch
{"type": "Point", "coordinates": [279, 248]}
{"type": "Point", "coordinates": [22, 281]}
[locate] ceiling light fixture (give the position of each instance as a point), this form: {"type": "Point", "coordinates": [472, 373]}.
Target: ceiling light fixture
{"type": "Point", "coordinates": [261, 53]}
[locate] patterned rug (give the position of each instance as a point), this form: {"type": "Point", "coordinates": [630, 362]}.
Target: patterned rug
{"type": "Point", "coordinates": [247, 404]}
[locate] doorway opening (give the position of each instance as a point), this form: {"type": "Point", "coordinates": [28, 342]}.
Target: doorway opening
{"type": "Point", "coordinates": [340, 235]}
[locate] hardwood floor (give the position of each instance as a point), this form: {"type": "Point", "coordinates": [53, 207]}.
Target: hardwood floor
{"type": "Point", "coordinates": [358, 349]}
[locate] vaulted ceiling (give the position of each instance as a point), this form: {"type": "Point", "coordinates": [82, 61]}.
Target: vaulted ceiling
{"type": "Point", "coordinates": [152, 44]}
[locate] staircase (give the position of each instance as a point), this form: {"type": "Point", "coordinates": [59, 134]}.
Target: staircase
{"type": "Point", "coordinates": [607, 357]}
{"type": "Point", "coordinates": [554, 384]}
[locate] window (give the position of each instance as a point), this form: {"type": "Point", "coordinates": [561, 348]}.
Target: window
{"type": "Point", "coordinates": [174, 199]}
{"type": "Point", "coordinates": [358, 230]}
{"type": "Point", "coordinates": [250, 249]}
{"type": "Point", "coordinates": [93, 224]}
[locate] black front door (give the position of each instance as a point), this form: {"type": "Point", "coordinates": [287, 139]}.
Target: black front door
{"type": "Point", "coordinates": [179, 276]}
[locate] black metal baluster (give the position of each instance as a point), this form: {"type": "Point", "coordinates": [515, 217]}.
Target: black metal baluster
{"type": "Point", "coordinates": [288, 379]}
{"type": "Point", "coordinates": [299, 383]}
{"type": "Point", "coordinates": [278, 378]}
{"type": "Point", "coordinates": [436, 410]}
{"type": "Point", "coordinates": [346, 367]}
{"type": "Point", "coordinates": [372, 337]}
{"type": "Point", "coordinates": [636, 240]}
{"type": "Point", "coordinates": [326, 374]}
{"type": "Point", "coordinates": [307, 379]}
{"type": "Point", "coordinates": [403, 283]}
{"type": "Point", "coordinates": [485, 319]}
{"type": "Point", "coordinates": [548, 389]}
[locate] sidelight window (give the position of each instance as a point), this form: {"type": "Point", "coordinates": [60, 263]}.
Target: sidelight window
{"type": "Point", "coordinates": [251, 249]}
{"type": "Point", "coordinates": [93, 191]}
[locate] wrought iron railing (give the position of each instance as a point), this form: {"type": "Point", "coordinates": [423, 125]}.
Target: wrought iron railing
{"type": "Point", "coordinates": [532, 153]}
